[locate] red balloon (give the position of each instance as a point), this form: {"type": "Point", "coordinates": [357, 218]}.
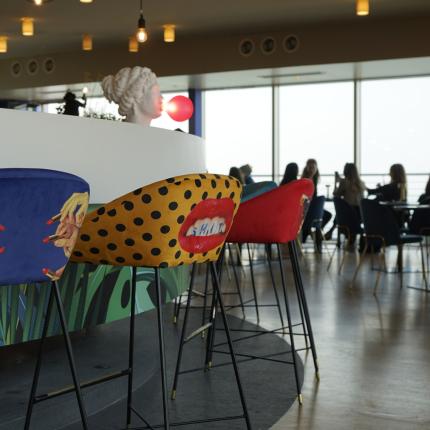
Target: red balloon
{"type": "Point", "coordinates": [180, 108]}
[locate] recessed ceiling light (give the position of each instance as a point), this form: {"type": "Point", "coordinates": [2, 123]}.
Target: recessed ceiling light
{"type": "Point", "coordinates": [3, 44]}
{"type": "Point", "coordinates": [362, 7]}
{"type": "Point", "coordinates": [169, 33]}
{"type": "Point", "coordinates": [27, 26]}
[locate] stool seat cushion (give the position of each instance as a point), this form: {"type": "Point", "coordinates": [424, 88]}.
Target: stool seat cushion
{"type": "Point", "coordinates": [273, 217]}
{"type": "Point", "coordinates": [177, 221]}
{"type": "Point", "coordinates": [34, 243]}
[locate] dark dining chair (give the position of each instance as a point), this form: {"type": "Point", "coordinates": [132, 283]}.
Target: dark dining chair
{"type": "Point", "coordinates": [348, 224]}
{"type": "Point", "coordinates": [382, 230]}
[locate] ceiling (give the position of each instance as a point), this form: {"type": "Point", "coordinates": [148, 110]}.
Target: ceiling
{"type": "Point", "coordinates": [408, 67]}
{"type": "Point", "coordinates": [59, 24]}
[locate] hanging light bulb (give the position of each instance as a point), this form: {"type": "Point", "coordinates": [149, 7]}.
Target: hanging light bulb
{"type": "Point", "coordinates": [86, 1]}
{"type": "Point", "coordinates": [3, 44]}
{"type": "Point", "coordinates": [133, 45]}
{"type": "Point", "coordinates": [141, 34]}
{"type": "Point", "coordinates": [38, 2]}
{"type": "Point", "coordinates": [362, 7]}
{"type": "Point", "coordinates": [169, 33]}
{"type": "Point", "coordinates": [87, 42]}
{"type": "Point", "coordinates": [27, 26]}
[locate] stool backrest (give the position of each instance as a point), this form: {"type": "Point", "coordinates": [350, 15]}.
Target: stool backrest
{"type": "Point", "coordinates": [272, 217]}
{"type": "Point", "coordinates": [255, 189]}
{"type": "Point", "coordinates": [379, 221]}
{"type": "Point", "coordinates": [314, 213]}
{"type": "Point", "coordinates": [347, 216]}
{"type": "Point", "coordinates": [420, 222]}
{"type": "Point", "coordinates": [35, 244]}
{"type": "Point", "coordinates": [177, 221]}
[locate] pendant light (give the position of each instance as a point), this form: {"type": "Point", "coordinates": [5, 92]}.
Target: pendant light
{"type": "Point", "coordinates": [3, 44]}
{"type": "Point", "coordinates": [169, 33]}
{"type": "Point", "coordinates": [27, 26]}
{"type": "Point", "coordinates": [133, 45]}
{"type": "Point", "coordinates": [362, 7]}
{"type": "Point", "coordinates": [87, 42]}
{"type": "Point", "coordinates": [86, 1]}
{"type": "Point", "coordinates": [141, 34]}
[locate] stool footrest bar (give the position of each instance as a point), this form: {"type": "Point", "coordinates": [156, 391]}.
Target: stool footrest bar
{"type": "Point", "coordinates": [71, 388]}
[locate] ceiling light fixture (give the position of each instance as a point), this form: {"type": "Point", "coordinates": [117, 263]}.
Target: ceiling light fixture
{"type": "Point", "coordinates": [39, 2]}
{"type": "Point", "coordinates": [169, 33]}
{"type": "Point", "coordinates": [87, 42]}
{"type": "Point", "coordinates": [86, 1]}
{"type": "Point", "coordinates": [133, 45]}
{"type": "Point", "coordinates": [27, 26]}
{"type": "Point", "coordinates": [3, 44]}
{"type": "Point", "coordinates": [141, 34]}
{"type": "Point", "coordinates": [362, 7]}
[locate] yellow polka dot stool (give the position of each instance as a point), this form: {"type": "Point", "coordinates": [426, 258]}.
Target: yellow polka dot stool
{"type": "Point", "coordinates": [180, 220]}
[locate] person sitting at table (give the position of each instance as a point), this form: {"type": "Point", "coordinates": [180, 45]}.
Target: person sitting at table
{"type": "Point", "coordinates": [236, 173]}
{"type": "Point", "coordinates": [396, 190]}
{"type": "Point", "coordinates": [290, 174]}
{"type": "Point", "coordinates": [246, 171]}
{"type": "Point", "coordinates": [311, 171]}
{"type": "Point", "coordinates": [351, 188]}
{"type": "Point", "coordinates": [425, 198]}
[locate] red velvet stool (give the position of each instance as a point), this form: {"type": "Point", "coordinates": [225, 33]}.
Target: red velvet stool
{"type": "Point", "coordinates": [276, 217]}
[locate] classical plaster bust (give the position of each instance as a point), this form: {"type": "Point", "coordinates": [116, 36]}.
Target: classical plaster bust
{"type": "Point", "coordinates": [137, 93]}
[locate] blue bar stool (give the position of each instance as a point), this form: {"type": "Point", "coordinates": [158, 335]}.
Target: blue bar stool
{"type": "Point", "coordinates": [41, 212]}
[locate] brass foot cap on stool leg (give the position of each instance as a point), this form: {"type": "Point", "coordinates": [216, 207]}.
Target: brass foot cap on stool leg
{"type": "Point", "coordinates": [317, 376]}
{"type": "Point", "coordinates": [173, 396]}
{"type": "Point", "coordinates": [300, 398]}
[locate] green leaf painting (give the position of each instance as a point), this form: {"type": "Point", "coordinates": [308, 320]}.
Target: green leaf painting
{"type": "Point", "coordinates": [91, 295]}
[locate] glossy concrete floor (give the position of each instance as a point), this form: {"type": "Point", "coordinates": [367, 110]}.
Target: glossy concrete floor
{"type": "Point", "coordinates": [374, 351]}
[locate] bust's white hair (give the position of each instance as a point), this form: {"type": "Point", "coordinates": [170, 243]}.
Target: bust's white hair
{"type": "Point", "coordinates": [128, 87]}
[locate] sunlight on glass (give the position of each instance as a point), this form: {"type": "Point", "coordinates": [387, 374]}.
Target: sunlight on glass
{"type": "Point", "coordinates": [238, 130]}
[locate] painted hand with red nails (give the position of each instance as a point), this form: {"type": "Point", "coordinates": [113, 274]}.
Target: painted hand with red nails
{"type": "Point", "coordinates": [76, 200]}
{"type": "Point", "coordinates": [2, 248]}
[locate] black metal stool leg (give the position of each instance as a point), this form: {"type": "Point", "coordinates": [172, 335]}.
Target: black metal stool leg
{"type": "Point", "coordinates": [297, 273]}
{"type": "Point", "coordinates": [131, 345]}
{"type": "Point", "coordinates": [39, 361]}
{"type": "Point", "coordinates": [212, 328]}
{"type": "Point", "coordinates": [290, 326]}
{"type": "Point", "coordinates": [230, 345]}
{"type": "Point", "coordinates": [274, 289]}
{"type": "Point", "coordinates": [299, 295]}
{"type": "Point", "coordinates": [70, 355]}
{"type": "Point", "coordinates": [236, 279]}
{"type": "Point", "coordinates": [205, 298]}
{"type": "Point", "coordinates": [184, 329]}
{"type": "Point", "coordinates": [253, 283]}
{"type": "Point", "coordinates": [162, 350]}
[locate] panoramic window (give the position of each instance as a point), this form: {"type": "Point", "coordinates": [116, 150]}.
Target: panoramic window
{"type": "Point", "coordinates": [395, 128]}
{"type": "Point", "coordinates": [317, 121]}
{"type": "Point", "coordinates": [238, 130]}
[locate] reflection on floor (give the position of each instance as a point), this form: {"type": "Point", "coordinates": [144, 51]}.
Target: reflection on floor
{"type": "Point", "coordinates": [374, 352]}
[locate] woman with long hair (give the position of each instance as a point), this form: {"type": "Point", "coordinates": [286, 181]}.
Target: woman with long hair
{"type": "Point", "coordinates": [290, 174]}
{"type": "Point", "coordinates": [425, 198]}
{"type": "Point", "coordinates": [396, 190]}
{"type": "Point", "coordinates": [351, 187]}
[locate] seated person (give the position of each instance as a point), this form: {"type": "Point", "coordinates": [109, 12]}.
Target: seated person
{"type": "Point", "coordinates": [246, 171]}
{"type": "Point", "coordinates": [425, 198]}
{"type": "Point", "coordinates": [290, 174]}
{"type": "Point", "coordinates": [396, 189]}
{"type": "Point", "coordinates": [236, 173]}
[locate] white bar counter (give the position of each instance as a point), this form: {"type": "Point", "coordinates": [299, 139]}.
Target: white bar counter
{"type": "Point", "coordinates": [113, 157]}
